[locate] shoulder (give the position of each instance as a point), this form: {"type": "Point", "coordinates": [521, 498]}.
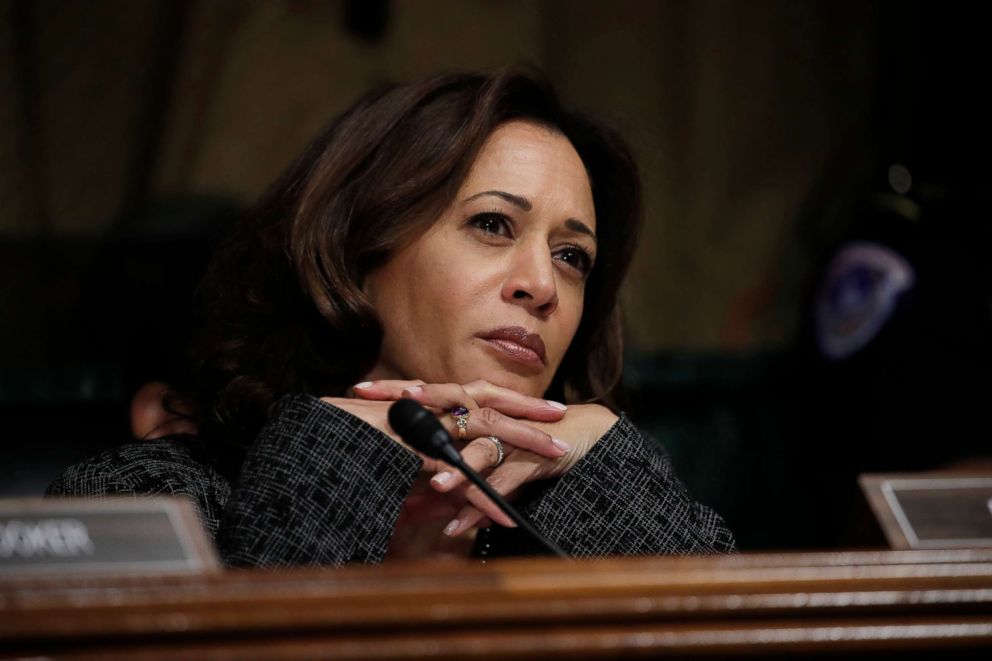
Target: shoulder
{"type": "Point", "coordinates": [174, 465]}
{"type": "Point", "coordinates": [132, 465]}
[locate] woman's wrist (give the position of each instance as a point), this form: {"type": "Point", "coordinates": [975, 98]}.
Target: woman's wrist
{"type": "Point", "coordinates": [582, 428]}
{"type": "Point", "coordinates": [374, 414]}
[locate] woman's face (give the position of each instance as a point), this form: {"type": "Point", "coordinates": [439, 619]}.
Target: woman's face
{"type": "Point", "coordinates": [494, 289]}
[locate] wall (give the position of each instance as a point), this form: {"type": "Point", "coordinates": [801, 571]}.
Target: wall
{"type": "Point", "coordinates": [739, 113]}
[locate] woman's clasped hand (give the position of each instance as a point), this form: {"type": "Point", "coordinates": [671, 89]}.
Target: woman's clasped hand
{"type": "Point", "coordinates": [541, 439]}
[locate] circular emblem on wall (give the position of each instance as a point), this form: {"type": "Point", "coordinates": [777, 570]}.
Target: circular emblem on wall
{"type": "Point", "coordinates": [859, 294]}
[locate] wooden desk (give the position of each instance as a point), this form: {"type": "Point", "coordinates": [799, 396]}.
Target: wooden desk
{"type": "Point", "coordinates": [902, 603]}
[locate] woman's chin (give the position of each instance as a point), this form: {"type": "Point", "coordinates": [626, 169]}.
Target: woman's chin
{"type": "Point", "coordinates": [526, 384]}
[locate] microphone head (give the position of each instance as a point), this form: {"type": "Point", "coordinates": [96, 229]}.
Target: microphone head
{"type": "Point", "coordinates": [419, 428]}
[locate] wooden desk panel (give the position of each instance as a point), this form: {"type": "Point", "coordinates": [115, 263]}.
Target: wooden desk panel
{"type": "Point", "coordinates": [902, 602]}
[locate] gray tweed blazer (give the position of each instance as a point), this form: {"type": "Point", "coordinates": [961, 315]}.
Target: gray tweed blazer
{"type": "Point", "coordinates": [320, 486]}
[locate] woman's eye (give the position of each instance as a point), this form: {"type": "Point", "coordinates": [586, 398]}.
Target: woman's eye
{"type": "Point", "coordinates": [492, 222]}
{"type": "Point", "coordinates": [577, 258]}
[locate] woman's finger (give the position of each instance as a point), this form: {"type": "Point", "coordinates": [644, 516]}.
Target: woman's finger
{"type": "Point", "coordinates": [481, 393]}
{"type": "Point", "coordinates": [485, 421]}
{"type": "Point", "coordinates": [468, 517]}
{"type": "Point", "coordinates": [444, 396]}
{"type": "Point", "coordinates": [514, 403]}
{"type": "Point", "coordinates": [480, 455]}
{"type": "Point", "coordinates": [383, 390]}
{"type": "Point", "coordinates": [490, 422]}
{"type": "Point", "coordinates": [505, 480]}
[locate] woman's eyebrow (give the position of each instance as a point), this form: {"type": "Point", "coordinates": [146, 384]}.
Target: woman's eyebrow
{"type": "Point", "coordinates": [515, 200]}
{"type": "Point", "coordinates": [524, 203]}
{"type": "Point", "coordinates": [580, 227]}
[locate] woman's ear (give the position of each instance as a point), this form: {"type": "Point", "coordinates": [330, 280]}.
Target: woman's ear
{"type": "Point", "coordinates": [151, 416]}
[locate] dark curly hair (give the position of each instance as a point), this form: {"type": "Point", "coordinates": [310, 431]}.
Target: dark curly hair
{"type": "Point", "coordinates": [282, 300]}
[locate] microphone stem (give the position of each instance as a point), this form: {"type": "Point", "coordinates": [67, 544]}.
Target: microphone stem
{"type": "Point", "coordinates": [510, 511]}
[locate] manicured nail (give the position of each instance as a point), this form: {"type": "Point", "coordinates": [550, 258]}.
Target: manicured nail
{"type": "Point", "coordinates": [556, 405]}
{"type": "Point", "coordinates": [561, 445]}
{"type": "Point", "coordinates": [363, 384]}
{"type": "Point", "coordinates": [441, 478]}
{"type": "Point", "coordinates": [450, 529]}
{"type": "Point", "coordinates": [413, 390]}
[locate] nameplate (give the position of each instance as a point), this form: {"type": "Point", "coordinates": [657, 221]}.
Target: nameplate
{"type": "Point", "coordinates": [112, 535]}
{"type": "Point", "coordinates": [932, 510]}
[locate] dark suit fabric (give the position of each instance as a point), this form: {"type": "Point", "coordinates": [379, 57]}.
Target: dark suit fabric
{"type": "Point", "coordinates": [320, 486]}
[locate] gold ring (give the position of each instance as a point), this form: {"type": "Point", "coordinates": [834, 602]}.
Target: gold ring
{"type": "Point", "coordinates": [460, 414]}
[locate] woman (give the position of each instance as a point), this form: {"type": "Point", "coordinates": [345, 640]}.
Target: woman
{"type": "Point", "coordinates": [460, 241]}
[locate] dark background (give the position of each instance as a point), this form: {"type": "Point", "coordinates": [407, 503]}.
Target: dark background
{"type": "Point", "coordinates": [133, 132]}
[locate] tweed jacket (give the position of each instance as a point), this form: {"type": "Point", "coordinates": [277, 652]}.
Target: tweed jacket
{"type": "Point", "coordinates": [321, 486]}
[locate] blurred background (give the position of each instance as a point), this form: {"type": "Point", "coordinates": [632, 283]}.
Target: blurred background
{"type": "Point", "coordinates": [811, 299]}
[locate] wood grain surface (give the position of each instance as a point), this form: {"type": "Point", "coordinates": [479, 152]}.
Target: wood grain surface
{"type": "Point", "coordinates": [900, 603]}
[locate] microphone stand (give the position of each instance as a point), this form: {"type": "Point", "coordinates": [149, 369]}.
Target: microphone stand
{"type": "Point", "coordinates": [424, 433]}
{"type": "Point", "coordinates": [508, 509]}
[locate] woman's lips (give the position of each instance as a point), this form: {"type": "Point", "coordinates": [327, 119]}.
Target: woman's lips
{"type": "Point", "coordinates": [517, 343]}
{"type": "Point", "coordinates": [514, 350]}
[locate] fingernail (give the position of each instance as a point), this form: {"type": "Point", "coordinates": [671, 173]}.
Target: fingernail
{"type": "Point", "coordinates": [413, 390]}
{"type": "Point", "coordinates": [450, 529]}
{"type": "Point", "coordinates": [561, 445]}
{"type": "Point", "coordinates": [441, 478]}
{"type": "Point", "coordinates": [556, 405]}
{"type": "Point", "coordinates": [363, 384]}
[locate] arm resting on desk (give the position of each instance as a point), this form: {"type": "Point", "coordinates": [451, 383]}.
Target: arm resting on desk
{"type": "Point", "coordinates": [622, 498]}
{"type": "Point", "coordinates": [318, 486]}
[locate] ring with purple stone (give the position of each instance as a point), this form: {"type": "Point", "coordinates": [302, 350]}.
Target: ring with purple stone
{"type": "Point", "coordinates": [460, 414]}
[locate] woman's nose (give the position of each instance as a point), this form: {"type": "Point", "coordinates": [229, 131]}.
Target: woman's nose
{"type": "Point", "coordinates": [531, 282]}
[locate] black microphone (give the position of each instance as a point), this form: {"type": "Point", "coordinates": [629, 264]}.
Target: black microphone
{"type": "Point", "coordinates": [423, 432]}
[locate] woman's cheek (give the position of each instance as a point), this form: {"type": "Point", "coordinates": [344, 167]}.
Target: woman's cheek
{"type": "Point", "coordinates": [575, 307]}
{"type": "Point", "coordinates": [572, 315]}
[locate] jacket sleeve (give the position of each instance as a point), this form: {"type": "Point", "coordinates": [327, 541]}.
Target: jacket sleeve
{"type": "Point", "coordinates": [318, 486]}
{"type": "Point", "coordinates": [622, 498]}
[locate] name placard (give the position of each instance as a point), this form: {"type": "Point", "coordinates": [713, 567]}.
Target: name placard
{"type": "Point", "coordinates": [932, 510]}
{"type": "Point", "coordinates": [111, 535]}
